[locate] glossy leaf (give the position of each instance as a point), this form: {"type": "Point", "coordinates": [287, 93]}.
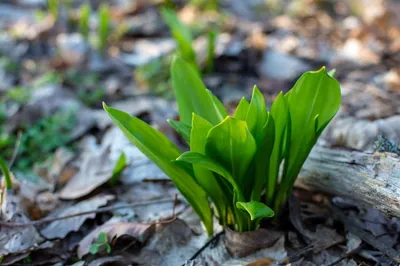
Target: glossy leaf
{"type": "Point", "coordinates": [262, 157]}
{"type": "Point", "coordinates": [191, 94]}
{"type": "Point", "coordinates": [231, 144]}
{"type": "Point", "coordinates": [210, 164]}
{"type": "Point", "coordinates": [218, 105]}
{"type": "Point", "coordinates": [205, 178]}
{"type": "Point", "coordinates": [315, 94]}
{"type": "Point", "coordinates": [181, 128]}
{"type": "Point", "coordinates": [256, 114]}
{"type": "Point", "coordinates": [280, 114]}
{"type": "Point", "coordinates": [256, 209]}
{"type": "Point", "coordinates": [163, 152]}
{"type": "Point", "coordinates": [313, 102]}
{"type": "Point", "coordinates": [241, 109]}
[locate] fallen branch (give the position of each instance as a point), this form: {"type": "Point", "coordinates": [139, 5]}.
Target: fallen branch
{"type": "Point", "coordinates": [372, 179]}
{"type": "Point", "coordinates": [100, 210]}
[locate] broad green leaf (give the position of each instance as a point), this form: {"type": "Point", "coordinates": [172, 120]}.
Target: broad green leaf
{"type": "Point", "coordinates": [181, 128]}
{"type": "Point", "coordinates": [262, 157]}
{"type": "Point", "coordinates": [181, 34]}
{"type": "Point", "coordinates": [313, 102]}
{"type": "Point", "coordinates": [208, 163]}
{"type": "Point", "coordinates": [118, 168]}
{"type": "Point", "coordinates": [256, 209]}
{"type": "Point", "coordinates": [315, 94]}
{"type": "Point", "coordinates": [205, 178]}
{"type": "Point", "coordinates": [256, 114]}
{"type": "Point", "coordinates": [280, 114]}
{"type": "Point", "coordinates": [6, 173]}
{"type": "Point", "coordinates": [219, 105]}
{"type": "Point", "coordinates": [231, 144]}
{"type": "Point", "coordinates": [163, 152]}
{"type": "Point", "coordinates": [241, 109]}
{"type": "Point", "coordinates": [191, 94]}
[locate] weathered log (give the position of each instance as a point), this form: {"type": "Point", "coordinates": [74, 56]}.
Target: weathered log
{"type": "Point", "coordinates": [372, 179]}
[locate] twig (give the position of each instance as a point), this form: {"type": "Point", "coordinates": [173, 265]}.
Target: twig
{"type": "Point", "coordinates": [100, 210]}
{"type": "Point", "coordinates": [347, 254]}
{"type": "Point", "coordinates": [209, 242]}
{"type": "Point", "coordinates": [16, 148]}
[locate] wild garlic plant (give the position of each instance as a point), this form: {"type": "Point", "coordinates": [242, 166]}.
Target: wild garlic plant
{"type": "Point", "coordinates": [234, 161]}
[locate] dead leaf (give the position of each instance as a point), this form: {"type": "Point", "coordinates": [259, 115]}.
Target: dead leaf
{"type": "Point", "coordinates": [15, 239]}
{"type": "Point", "coordinates": [217, 255]}
{"type": "Point", "coordinates": [245, 243]}
{"type": "Point", "coordinates": [96, 170]}
{"type": "Point", "coordinates": [140, 232]}
{"type": "Point", "coordinates": [59, 229]}
{"type": "Point", "coordinates": [172, 244]}
{"type": "Point", "coordinates": [114, 260]}
{"type": "Point", "coordinates": [262, 262]}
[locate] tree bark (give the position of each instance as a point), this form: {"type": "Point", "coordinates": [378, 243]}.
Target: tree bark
{"type": "Point", "coordinates": [372, 179]}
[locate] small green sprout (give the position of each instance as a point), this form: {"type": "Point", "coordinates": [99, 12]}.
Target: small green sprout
{"type": "Point", "coordinates": [84, 12]}
{"type": "Point", "coordinates": [118, 168]}
{"type": "Point", "coordinates": [212, 36]}
{"type": "Point", "coordinates": [103, 26]}
{"type": "Point", "coordinates": [53, 7]}
{"type": "Point", "coordinates": [100, 244]}
{"type": "Point", "coordinates": [181, 34]}
{"type": "Point", "coordinates": [6, 173]}
{"type": "Point", "coordinates": [235, 160]}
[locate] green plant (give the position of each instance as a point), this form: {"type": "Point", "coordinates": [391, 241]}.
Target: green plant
{"type": "Point", "coordinates": [103, 26]}
{"type": "Point", "coordinates": [212, 35]}
{"type": "Point", "coordinates": [102, 242]}
{"type": "Point", "coordinates": [181, 34]}
{"type": "Point", "coordinates": [84, 12]}
{"type": "Point", "coordinates": [235, 160]}
{"type": "Point", "coordinates": [206, 4]}
{"type": "Point", "coordinates": [6, 173]}
{"type": "Point", "coordinates": [53, 7]}
{"type": "Point", "coordinates": [118, 168]}
{"type": "Point", "coordinates": [38, 140]}
{"type": "Point", "coordinates": [90, 98]}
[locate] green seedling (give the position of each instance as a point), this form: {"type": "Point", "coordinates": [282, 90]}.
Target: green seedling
{"type": "Point", "coordinates": [6, 173]}
{"type": "Point", "coordinates": [53, 7]}
{"type": "Point", "coordinates": [40, 139]}
{"type": "Point", "coordinates": [234, 160]}
{"type": "Point", "coordinates": [205, 4]}
{"type": "Point", "coordinates": [103, 27]}
{"type": "Point", "coordinates": [118, 168]}
{"type": "Point", "coordinates": [84, 17]}
{"type": "Point", "coordinates": [181, 34]}
{"type": "Point", "coordinates": [91, 98]}
{"type": "Point", "coordinates": [100, 244]}
{"type": "Point", "coordinates": [212, 36]}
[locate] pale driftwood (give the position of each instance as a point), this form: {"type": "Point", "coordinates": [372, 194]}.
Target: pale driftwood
{"type": "Point", "coordinates": [373, 179]}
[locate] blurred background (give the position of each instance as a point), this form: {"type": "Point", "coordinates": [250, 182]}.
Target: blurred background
{"type": "Point", "coordinates": [60, 59]}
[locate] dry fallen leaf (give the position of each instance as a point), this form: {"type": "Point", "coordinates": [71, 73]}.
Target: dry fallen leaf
{"type": "Point", "coordinates": [59, 229]}
{"type": "Point", "coordinates": [245, 243]}
{"type": "Point", "coordinates": [15, 239]}
{"type": "Point", "coordinates": [96, 170]}
{"type": "Point", "coordinates": [140, 232]}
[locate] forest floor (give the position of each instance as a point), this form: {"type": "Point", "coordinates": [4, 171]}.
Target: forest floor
{"type": "Point", "coordinates": [62, 148]}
